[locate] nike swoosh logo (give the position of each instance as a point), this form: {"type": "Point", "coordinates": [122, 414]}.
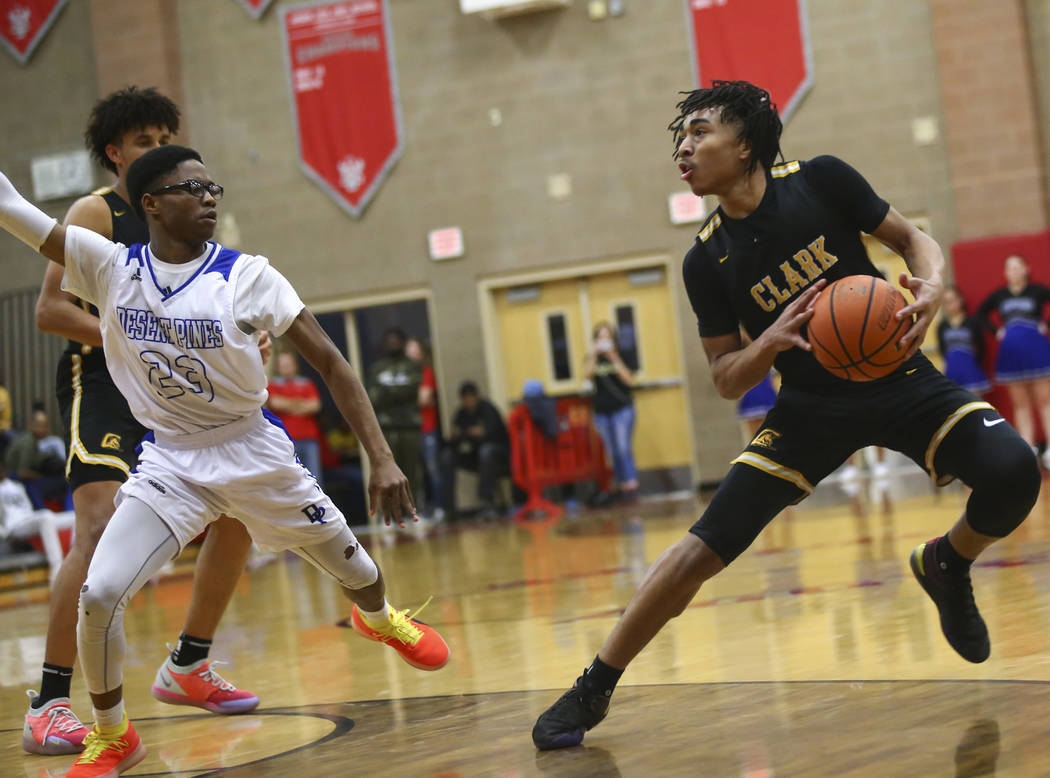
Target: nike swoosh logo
{"type": "Point", "coordinates": [909, 372]}
{"type": "Point", "coordinates": [164, 680]}
{"type": "Point", "coordinates": [119, 213]}
{"type": "Point", "coordinates": [723, 259]}
{"type": "Point", "coordinates": [993, 423]}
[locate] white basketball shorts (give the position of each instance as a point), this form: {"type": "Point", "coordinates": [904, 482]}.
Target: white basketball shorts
{"type": "Point", "coordinates": [247, 470]}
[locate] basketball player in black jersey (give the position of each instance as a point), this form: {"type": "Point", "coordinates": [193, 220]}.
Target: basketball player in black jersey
{"type": "Point", "coordinates": [780, 234]}
{"type": "Point", "coordinates": [103, 436]}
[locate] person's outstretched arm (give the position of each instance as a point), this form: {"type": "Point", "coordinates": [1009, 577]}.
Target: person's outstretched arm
{"type": "Point", "coordinates": [30, 225]}
{"type": "Point", "coordinates": [388, 488]}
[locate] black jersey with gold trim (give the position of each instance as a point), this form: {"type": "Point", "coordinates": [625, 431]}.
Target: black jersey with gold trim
{"type": "Point", "coordinates": [807, 227]}
{"type": "Point", "coordinates": [128, 229]}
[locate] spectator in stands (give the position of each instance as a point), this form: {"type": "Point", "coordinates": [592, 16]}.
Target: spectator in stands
{"type": "Point", "coordinates": [417, 351]}
{"type": "Point", "coordinates": [38, 459]}
{"type": "Point", "coordinates": [393, 384]}
{"type": "Point", "coordinates": [613, 406]}
{"type": "Point", "coordinates": [294, 399]}
{"type": "Point", "coordinates": [5, 415]}
{"type": "Point", "coordinates": [479, 442]}
{"type": "Point", "coordinates": [20, 521]}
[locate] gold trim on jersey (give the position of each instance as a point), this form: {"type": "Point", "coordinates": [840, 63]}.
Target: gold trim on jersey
{"type": "Point", "coordinates": [942, 432]}
{"type": "Point", "coordinates": [779, 171]}
{"type": "Point", "coordinates": [76, 446]}
{"type": "Point", "coordinates": [103, 190]}
{"type": "Point", "coordinates": [710, 227]}
{"type": "Point", "coordinates": [769, 466]}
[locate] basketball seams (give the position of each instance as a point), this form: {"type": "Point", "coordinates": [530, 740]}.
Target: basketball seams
{"type": "Point", "coordinates": [892, 337]}
{"type": "Point", "coordinates": [867, 314]}
{"type": "Point", "coordinates": [835, 326]}
{"type": "Point", "coordinates": [831, 325]}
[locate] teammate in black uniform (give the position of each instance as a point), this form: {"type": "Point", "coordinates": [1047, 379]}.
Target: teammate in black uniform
{"type": "Point", "coordinates": [1017, 314]}
{"type": "Point", "coordinates": [103, 436]}
{"type": "Point", "coordinates": [780, 233]}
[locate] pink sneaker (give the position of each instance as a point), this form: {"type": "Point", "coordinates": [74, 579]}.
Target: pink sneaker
{"type": "Point", "coordinates": [200, 686]}
{"type": "Point", "coordinates": [53, 729]}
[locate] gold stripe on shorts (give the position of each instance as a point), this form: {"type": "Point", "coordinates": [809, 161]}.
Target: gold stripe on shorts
{"type": "Point", "coordinates": [944, 429]}
{"type": "Point", "coordinates": [76, 446]}
{"type": "Point", "coordinates": [769, 466]}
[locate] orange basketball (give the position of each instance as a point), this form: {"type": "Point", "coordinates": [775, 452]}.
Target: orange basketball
{"type": "Point", "coordinates": [854, 331]}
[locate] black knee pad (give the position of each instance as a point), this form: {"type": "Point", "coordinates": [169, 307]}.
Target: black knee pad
{"type": "Point", "coordinates": [1001, 469]}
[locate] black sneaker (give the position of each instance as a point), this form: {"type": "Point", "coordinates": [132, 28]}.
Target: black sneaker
{"type": "Point", "coordinates": [564, 723]}
{"type": "Point", "coordinates": [961, 622]}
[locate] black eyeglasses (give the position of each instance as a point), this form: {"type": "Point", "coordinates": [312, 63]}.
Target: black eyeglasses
{"type": "Point", "coordinates": [194, 187]}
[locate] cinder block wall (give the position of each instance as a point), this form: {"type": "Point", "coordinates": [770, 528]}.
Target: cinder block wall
{"type": "Point", "coordinates": [586, 99]}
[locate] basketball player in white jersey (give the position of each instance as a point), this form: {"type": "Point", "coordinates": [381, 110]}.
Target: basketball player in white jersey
{"type": "Point", "coordinates": [177, 319]}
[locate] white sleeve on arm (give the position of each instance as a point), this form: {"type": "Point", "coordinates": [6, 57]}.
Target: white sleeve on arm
{"type": "Point", "coordinates": [263, 299]}
{"type": "Point", "coordinates": [23, 219]}
{"type": "Point", "coordinates": [89, 264]}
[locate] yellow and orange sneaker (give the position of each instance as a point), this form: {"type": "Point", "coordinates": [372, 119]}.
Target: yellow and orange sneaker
{"type": "Point", "coordinates": [419, 644]}
{"type": "Point", "coordinates": [109, 752]}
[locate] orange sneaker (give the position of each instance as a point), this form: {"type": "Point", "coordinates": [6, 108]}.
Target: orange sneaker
{"type": "Point", "coordinates": [419, 644]}
{"type": "Point", "coordinates": [109, 755]}
{"type": "Point", "coordinates": [200, 686]}
{"type": "Point", "coordinates": [53, 729]}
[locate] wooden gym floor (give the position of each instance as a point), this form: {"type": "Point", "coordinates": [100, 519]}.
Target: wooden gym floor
{"type": "Point", "coordinates": [815, 654]}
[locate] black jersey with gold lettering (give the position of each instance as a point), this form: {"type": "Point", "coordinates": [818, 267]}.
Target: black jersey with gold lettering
{"type": "Point", "coordinates": [807, 227]}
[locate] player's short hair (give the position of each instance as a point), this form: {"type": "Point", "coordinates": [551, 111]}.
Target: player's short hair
{"type": "Point", "coordinates": [124, 111]}
{"type": "Point", "coordinates": [468, 387]}
{"type": "Point", "coordinates": [148, 169]}
{"type": "Point", "coordinates": [747, 106]}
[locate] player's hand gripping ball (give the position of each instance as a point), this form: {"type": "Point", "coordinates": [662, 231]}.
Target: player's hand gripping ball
{"type": "Point", "coordinates": [854, 331]}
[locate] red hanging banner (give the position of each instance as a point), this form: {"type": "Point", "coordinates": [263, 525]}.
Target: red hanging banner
{"type": "Point", "coordinates": [24, 23]}
{"type": "Point", "coordinates": [256, 7]}
{"type": "Point", "coordinates": [765, 42]}
{"type": "Point", "coordinates": [344, 96]}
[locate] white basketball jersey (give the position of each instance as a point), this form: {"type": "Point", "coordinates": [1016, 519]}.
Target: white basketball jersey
{"type": "Point", "coordinates": [178, 356]}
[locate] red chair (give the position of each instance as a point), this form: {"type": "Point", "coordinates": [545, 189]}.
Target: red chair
{"type": "Point", "coordinates": [538, 462]}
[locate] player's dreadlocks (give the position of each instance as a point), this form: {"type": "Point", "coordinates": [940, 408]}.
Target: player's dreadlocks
{"type": "Point", "coordinates": [124, 111]}
{"type": "Point", "coordinates": [743, 104]}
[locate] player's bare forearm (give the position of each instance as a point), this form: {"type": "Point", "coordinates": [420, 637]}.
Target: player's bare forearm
{"type": "Point", "coordinates": [735, 372]}
{"type": "Point", "coordinates": [349, 394]}
{"type": "Point", "coordinates": [58, 313]}
{"type": "Point", "coordinates": [736, 367]}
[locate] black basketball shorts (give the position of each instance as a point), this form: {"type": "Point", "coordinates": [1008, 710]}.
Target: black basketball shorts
{"type": "Point", "coordinates": [101, 433]}
{"type": "Point", "coordinates": [809, 434]}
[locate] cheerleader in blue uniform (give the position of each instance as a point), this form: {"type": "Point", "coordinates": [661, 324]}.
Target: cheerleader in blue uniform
{"type": "Point", "coordinates": [962, 344]}
{"type": "Point", "coordinates": [754, 406]}
{"type": "Point", "coordinates": [1016, 314]}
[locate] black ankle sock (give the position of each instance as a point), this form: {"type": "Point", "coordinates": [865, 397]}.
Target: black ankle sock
{"type": "Point", "coordinates": [189, 650]}
{"type": "Point", "coordinates": [54, 682]}
{"type": "Point", "coordinates": [600, 677]}
{"type": "Point", "coordinates": [949, 559]}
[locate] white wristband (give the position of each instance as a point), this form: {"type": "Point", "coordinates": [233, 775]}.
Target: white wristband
{"type": "Point", "coordinates": [23, 219]}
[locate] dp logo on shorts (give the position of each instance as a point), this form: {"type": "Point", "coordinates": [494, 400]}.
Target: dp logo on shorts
{"type": "Point", "coordinates": [111, 440]}
{"type": "Point", "coordinates": [315, 513]}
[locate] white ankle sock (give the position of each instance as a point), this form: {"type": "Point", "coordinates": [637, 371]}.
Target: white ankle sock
{"type": "Point", "coordinates": [380, 616]}
{"type": "Point", "coordinates": [110, 717]}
